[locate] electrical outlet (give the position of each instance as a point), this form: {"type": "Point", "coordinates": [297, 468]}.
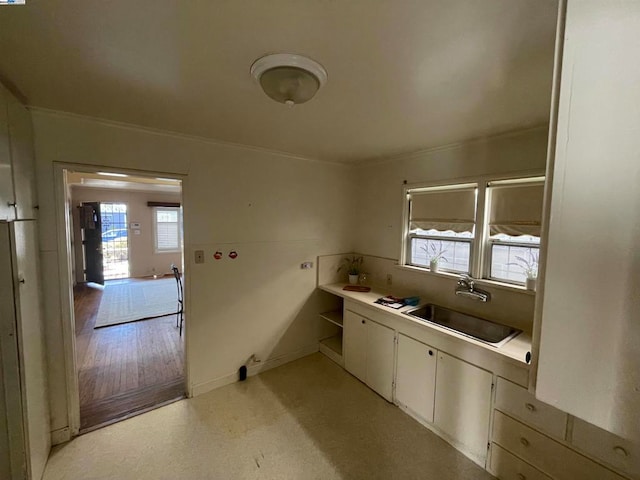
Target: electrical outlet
{"type": "Point", "coordinates": [389, 279]}
{"type": "Point", "coordinates": [306, 265]}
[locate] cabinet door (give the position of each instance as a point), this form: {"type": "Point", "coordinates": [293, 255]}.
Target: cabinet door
{"type": "Point", "coordinates": [355, 345]}
{"type": "Point", "coordinates": [32, 345]}
{"type": "Point", "coordinates": [416, 377]}
{"type": "Point", "coordinates": [22, 159]}
{"type": "Point", "coordinates": [7, 199]}
{"type": "Point", "coordinates": [463, 404]}
{"type": "Point", "coordinates": [380, 355]}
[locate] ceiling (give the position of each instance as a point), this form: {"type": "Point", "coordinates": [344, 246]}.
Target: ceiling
{"type": "Point", "coordinates": [404, 75]}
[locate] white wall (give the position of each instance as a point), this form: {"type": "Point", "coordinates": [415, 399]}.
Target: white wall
{"type": "Point", "coordinates": [379, 212]}
{"type": "Point", "coordinates": [275, 210]}
{"type": "Point", "coordinates": [143, 260]}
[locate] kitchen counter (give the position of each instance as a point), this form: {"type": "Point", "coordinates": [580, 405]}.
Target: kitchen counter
{"type": "Point", "coordinates": [514, 350]}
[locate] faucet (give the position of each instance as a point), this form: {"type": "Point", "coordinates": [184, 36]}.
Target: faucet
{"type": "Point", "coordinates": [466, 288]}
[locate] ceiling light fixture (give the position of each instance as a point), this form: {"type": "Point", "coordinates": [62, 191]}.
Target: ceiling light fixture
{"type": "Point", "coordinates": [289, 79]}
{"type": "Point", "coordinates": [111, 174]}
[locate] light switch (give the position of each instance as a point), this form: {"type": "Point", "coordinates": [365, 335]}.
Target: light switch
{"type": "Point", "coordinates": [199, 256]}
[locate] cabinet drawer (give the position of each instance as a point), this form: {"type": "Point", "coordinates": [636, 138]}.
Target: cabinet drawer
{"type": "Point", "coordinates": [518, 402]}
{"type": "Point", "coordinates": [607, 447]}
{"type": "Point", "coordinates": [549, 456]}
{"type": "Point", "coordinates": [508, 467]}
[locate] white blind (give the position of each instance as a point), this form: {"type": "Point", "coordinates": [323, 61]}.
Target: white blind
{"type": "Point", "coordinates": [167, 228]}
{"type": "Point", "coordinates": [438, 209]}
{"type": "Point", "coordinates": [516, 209]}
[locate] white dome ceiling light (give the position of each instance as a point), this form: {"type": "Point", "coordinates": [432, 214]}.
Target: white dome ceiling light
{"type": "Point", "coordinates": [289, 79]}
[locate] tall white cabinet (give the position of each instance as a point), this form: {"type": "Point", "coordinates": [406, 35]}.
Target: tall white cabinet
{"type": "Point", "coordinates": [589, 352]}
{"type": "Point", "coordinates": [24, 407]}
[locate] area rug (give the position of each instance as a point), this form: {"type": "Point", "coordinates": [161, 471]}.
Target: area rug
{"type": "Point", "coordinates": [137, 300]}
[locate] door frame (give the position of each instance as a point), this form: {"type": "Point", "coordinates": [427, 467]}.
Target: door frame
{"type": "Point", "coordinates": [65, 274]}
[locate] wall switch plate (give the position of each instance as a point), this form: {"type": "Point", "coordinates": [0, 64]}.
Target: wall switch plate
{"type": "Point", "coordinates": [306, 265]}
{"type": "Point", "coordinates": [389, 279]}
{"type": "Point", "coordinates": [199, 256]}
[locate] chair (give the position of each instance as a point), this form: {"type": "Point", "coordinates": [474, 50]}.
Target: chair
{"type": "Point", "coordinates": [180, 311]}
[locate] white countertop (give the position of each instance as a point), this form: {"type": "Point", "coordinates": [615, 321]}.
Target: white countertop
{"type": "Point", "coordinates": [514, 349]}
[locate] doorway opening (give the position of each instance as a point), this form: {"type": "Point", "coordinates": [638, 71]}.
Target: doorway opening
{"type": "Point", "coordinates": [115, 240]}
{"type": "Point", "coordinates": [126, 237]}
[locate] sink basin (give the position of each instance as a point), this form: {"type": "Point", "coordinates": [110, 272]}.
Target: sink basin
{"type": "Point", "coordinates": [478, 328]}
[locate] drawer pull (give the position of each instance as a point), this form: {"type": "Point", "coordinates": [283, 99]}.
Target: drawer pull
{"type": "Point", "coordinates": [524, 442]}
{"type": "Point", "coordinates": [530, 406]}
{"type": "Point", "coordinates": [521, 477]}
{"type": "Point", "coordinates": [363, 321]}
{"type": "Point", "coordinates": [431, 353]}
{"type": "Point", "coordinates": [621, 451]}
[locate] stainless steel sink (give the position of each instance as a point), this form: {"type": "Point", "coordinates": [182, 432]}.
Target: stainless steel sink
{"type": "Point", "coordinates": [478, 328]}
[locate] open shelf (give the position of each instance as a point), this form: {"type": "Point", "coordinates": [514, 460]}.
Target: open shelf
{"type": "Point", "coordinates": [332, 348]}
{"type": "Point", "coordinates": [334, 316]}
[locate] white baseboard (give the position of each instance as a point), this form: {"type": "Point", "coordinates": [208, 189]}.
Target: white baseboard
{"type": "Point", "coordinates": [200, 388]}
{"type": "Point", "coordinates": [62, 435]}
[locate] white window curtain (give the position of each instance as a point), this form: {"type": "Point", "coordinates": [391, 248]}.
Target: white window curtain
{"type": "Point", "coordinates": [516, 209]}
{"type": "Point", "coordinates": [168, 234]}
{"type": "Point", "coordinates": [443, 209]}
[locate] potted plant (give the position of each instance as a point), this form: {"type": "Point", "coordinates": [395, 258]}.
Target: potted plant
{"type": "Point", "coordinates": [435, 254]}
{"type": "Point", "coordinates": [352, 266]}
{"type": "Point", "coordinates": [529, 267]}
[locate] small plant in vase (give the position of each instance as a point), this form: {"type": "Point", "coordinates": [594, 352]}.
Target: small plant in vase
{"type": "Point", "coordinates": [352, 266]}
{"type": "Point", "coordinates": [435, 254]}
{"type": "Point", "coordinates": [529, 267]}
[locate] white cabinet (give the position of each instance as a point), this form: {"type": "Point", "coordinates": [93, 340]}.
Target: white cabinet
{"type": "Point", "coordinates": [544, 454]}
{"type": "Point", "coordinates": [369, 350]}
{"type": "Point", "coordinates": [7, 199]}
{"type": "Point", "coordinates": [463, 405]}
{"type": "Point", "coordinates": [22, 159]}
{"type": "Point", "coordinates": [416, 377]}
{"type": "Point", "coordinates": [607, 447]}
{"type": "Point", "coordinates": [509, 467]}
{"type": "Point", "coordinates": [380, 353]}
{"type": "Point", "coordinates": [588, 359]}
{"type": "Point", "coordinates": [518, 402]}
{"type": "Point", "coordinates": [354, 345]}
{"type": "Point", "coordinates": [17, 167]}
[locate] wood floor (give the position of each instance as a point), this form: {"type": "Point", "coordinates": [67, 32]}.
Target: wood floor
{"type": "Point", "coordinates": [124, 368]}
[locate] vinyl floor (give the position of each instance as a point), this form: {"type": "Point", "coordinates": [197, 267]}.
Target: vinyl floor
{"type": "Point", "coordinates": [308, 419]}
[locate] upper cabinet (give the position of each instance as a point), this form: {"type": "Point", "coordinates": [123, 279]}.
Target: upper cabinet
{"type": "Point", "coordinates": [17, 164]}
{"type": "Point", "coordinates": [7, 198]}
{"type": "Point", "coordinates": [589, 351]}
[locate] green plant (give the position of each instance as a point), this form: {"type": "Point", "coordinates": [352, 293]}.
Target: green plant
{"type": "Point", "coordinates": [529, 265]}
{"type": "Point", "coordinates": [435, 253]}
{"type": "Point", "coordinates": [351, 265]}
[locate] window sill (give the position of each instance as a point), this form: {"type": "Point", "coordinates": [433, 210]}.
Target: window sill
{"type": "Point", "coordinates": [478, 281]}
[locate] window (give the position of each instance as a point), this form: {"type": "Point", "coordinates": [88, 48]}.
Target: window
{"type": "Point", "coordinates": [168, 229]}
{"type": "Point", "coordinates": [515, 216]}
{"type": "Point", "coordinates": [488, 230]}
{"type": "Point", "coordinates": [442, 227]}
